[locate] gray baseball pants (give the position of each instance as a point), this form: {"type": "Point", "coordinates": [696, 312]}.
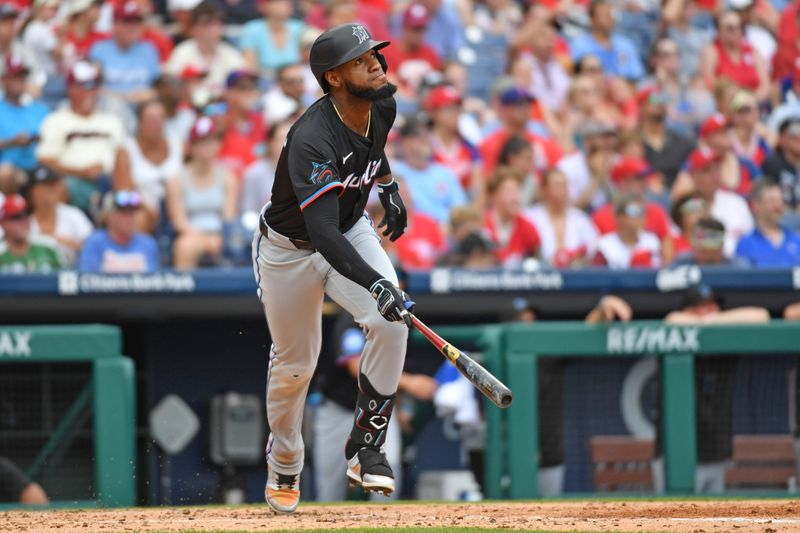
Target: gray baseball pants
{"type": "Point", "coordinates": [291, 286]}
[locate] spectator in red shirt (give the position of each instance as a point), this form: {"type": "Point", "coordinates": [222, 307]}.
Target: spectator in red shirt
{"type": "Point", "coordinates": [153, 34]}
{"type": "Point", "coordinates": [788, 42]}
{"type": "Point", "coordinates": [737, 173]}
{"type": "Point", "coordinates": [245, 131]}
{"type": "Point", "coordinates": [514, 110]}
{"type": "Point", "coordinates": [411, 59]}
{"type": "Point", "coordinates": [423, 242]}
{"type": "Point", "coordinates": [82, 15]}
{"type": "Point", "coordinates": [515, 236]}
{"type": "Point", "coordinates": [449, 147]}
{"type": "Point", "coordinates": [630, 246]}
{"type": "Point", "coordinates": [629, 176]}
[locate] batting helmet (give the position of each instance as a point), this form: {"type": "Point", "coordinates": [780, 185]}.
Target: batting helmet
{"type": "Point", "coordinates": [339, 45]}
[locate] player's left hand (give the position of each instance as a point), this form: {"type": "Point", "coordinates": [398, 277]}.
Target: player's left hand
{"type": "Point", "coordinates": [396, 218]}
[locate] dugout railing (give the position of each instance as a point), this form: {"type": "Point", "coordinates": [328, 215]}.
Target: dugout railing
{"type": "Point", "coordinates": [511, 352]}
{"type": "Point", "coordinates": [61, 384]}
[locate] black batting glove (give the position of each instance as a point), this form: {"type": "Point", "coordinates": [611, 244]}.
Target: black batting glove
{"type": "Point", "coordinates": [395, 218]}
{"type": "Point", "coordinates": [393, 304]}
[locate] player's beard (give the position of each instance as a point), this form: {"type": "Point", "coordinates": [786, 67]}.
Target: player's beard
{"type": "Point", "coordinates": [368, 93]}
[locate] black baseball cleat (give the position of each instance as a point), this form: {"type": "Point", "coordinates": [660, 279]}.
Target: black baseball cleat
{"type": "Point", "coordinates": [370, 469]}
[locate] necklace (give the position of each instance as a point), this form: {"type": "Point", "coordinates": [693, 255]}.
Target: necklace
{"type": "Point", "coordinates": [369, 118]}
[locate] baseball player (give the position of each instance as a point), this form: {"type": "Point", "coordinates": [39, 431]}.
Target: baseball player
{"type": "Point", "coordinates": [315, 239]}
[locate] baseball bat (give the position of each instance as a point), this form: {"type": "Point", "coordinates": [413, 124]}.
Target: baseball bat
{"type": "Point", "coordinates": [484, 381]}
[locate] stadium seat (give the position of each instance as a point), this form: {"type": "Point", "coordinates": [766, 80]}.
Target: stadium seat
{"type": "Point", "coordinates": [622, 463]}
{"type": "Point", "coordinates": [762, 461]}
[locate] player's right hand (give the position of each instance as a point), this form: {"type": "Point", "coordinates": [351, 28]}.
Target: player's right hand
{"type": "Point", "coordinates": [393, 304]}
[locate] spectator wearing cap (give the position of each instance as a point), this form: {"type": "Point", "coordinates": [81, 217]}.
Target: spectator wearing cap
{"type": "Point", "coordinates": [630, 246]}
{"type": "Point", "coordinates": [587, 168]}
{"type": "Point", "coordinates": [155, 156]}
{"type": "Point", "coordinates": [201, 200]}
{"type": "Point", "coordinates": [274, 40]}
{"type": "Point", "coordinates": [705, 170]}
{"type": "Point", "coordinates": [783, 166]}
{"type": "Point", "coordinates": [180, 11]}
{"type": "Point", "coordinates": [260, 175]}
{"type": "Point", "coordinates": [410, 57]}
{"type": "Point", "coordinates": [664, 149]}
{"type": "Point", "coordinates": [747, 133]}
{"type": "Point", "coordinates": [444, 106]}
{"type": "Point", "coordinates": [20, 117]}
{"type": "Point", "coordinates": [287, 98]}
{"type": "Point", "coordinates": [79, 30]}
{"type": "Point", "coordinates": [630, 176]}
{"type": "Point", "coordinates": [567, 234]}
{"type": "Point", "coordinates": [66, 225]}
{"type": "Point", "coordinates": [20, 252]}
{"type": "Point", "coordinates": [686, 212]}
{"type": "Point", "coordinates": [82, 143]}
{"type": "Point", "coordinates": [736, 173]}
{"type": "Point", "coordinates": [617, 53]}
{"type": "Point", "coordinates": [514, 236]}
{"type": "Point", "coordinates": [119, 248]}
{"type": "Point", "coordinates": [130, 64]}
{"type": "Point", "coordinates": [771, 244]}
{"type": "Point", "coordinates": [755, 33]}
{"type": "Point", "coordinates": [435, 189]}
{"type": "Point", "coordinates": [243, 128]}
{"type": "Point", "coordinates": [678, 17]}
{"type": "Point", "coordinates": [172, 92]}
{"type": "Point", "coordinates": [444, 31]}
{"type": "Point", "coordinates": [475, 251]}
{"type": "Point", "coordinates": [206, 49]}
{"type": "Point", "coordinates": [513, 106]}
{"type": "Point", "coordinates": [731, 56]}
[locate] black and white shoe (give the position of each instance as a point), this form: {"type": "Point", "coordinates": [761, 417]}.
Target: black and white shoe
{"type": "Point", "coordinates": [370, 469]}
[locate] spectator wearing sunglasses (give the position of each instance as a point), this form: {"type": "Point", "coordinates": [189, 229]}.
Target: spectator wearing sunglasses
{"type": "Point", "coordinates": [119, 248]}
{"type": "Point", "coordinates": [747, 133]}
{"type": "Point", "coordinates": [80, 142]}
{"type": "Point", "coordinates": [708, 246]}
{"type": "Point", "coordinates": [20, 252]}
{"type": "Point", "coordinates": [630, 246]}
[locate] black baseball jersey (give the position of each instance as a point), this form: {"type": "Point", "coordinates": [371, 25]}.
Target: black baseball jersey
{"type": "Point", "coordinates": [321, 153]}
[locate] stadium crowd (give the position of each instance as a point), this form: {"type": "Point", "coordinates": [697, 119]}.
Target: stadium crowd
{"type": "Point", "coordinates": [138, 135]}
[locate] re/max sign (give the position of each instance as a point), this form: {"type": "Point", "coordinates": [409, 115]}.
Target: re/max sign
{"type": "Point", "coordinates": [15, 344]}
{"type": "Point", "coordinates": [660, 339]}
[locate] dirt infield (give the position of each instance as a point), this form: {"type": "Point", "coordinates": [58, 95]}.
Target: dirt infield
{"type": "Point", "coordinates": [743, 516]}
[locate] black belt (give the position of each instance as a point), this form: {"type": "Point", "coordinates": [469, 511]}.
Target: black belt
{"type": "Point", "coordinates": [297, 243]}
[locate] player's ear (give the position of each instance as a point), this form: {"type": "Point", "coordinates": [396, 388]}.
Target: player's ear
{"type": "Point", "coordinates": [333, 78]}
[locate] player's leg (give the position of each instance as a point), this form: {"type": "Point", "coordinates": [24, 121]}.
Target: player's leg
{"type": "Point", "coordinates": [290, 288]}
{"type": "Point", "coordinates": [381, 364]}
{"type": "Point", "coordinates": [331, 427]}
{"type": "Point", "coordinates": [393, 449]}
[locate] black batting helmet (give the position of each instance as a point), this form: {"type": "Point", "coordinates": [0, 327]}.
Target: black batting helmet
{"type": "Point", "coordinates": [339, 45]}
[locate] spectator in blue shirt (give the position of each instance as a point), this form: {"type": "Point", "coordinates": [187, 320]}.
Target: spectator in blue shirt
{"type": "Point", "coordinates": [119, 248]}
{"type": "Point", "coordinates": [617, 53]}
{"type": "Point", "coordinates": [19, 121]}
{"type": "Point", "coordinates": [770, 244]}
{"type": "Point", "coordinates": [434, 188]}
{"type": "Point", "coordinates": [274, 41]}
{"type": "Point", "coordinates": [130, 64]}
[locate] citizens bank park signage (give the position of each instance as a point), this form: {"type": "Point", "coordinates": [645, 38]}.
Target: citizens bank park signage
{"type": "Point", "coordinates": [73, 283]}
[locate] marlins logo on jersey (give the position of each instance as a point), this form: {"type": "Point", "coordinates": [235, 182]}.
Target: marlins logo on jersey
{"type": "Point", "coordinates": [321, 173]}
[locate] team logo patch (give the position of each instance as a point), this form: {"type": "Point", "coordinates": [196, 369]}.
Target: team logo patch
{"type": "Point", "coordinates": [321, 173]}
{"type": "Point", "coordinates": [360, 33]}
